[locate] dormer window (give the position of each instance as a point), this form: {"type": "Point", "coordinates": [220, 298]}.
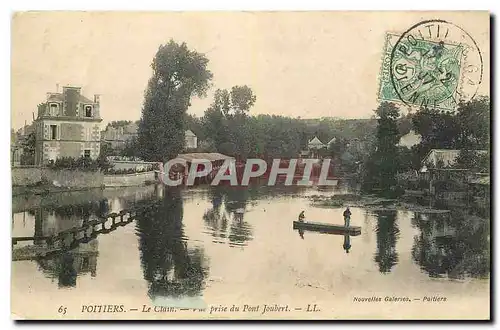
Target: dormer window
{"type": "Point", "coordinates": [88, 111]}
{"type": "Point", "coordinates": [54, 109]}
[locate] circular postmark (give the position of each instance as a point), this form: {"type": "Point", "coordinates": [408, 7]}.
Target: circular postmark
{"type": "Point", "coordinates": [436, 64]}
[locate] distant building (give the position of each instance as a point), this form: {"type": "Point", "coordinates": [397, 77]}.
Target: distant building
{"type": "Point", "coordinates": [409, 140]}
{"type": "Point", "coordinates": [191, 140]}
{"type": "Point", "coordinates": [67, 126]}
{"type": "Point", "coordinates": [445, 157]}
{"type": "Point", "coordinates": [18, 141]}
{"type": "Point", "coordinates": [315, 143]}
{"type": "Point", "coordinates": [313, 148]}
{"type": "Point", "coordinates": [117, 137]}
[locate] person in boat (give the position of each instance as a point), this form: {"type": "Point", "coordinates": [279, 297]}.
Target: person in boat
{"type": "Point", "coordinates": [347, 217]}
{"type": "Point", "coordinates": [301, 216]}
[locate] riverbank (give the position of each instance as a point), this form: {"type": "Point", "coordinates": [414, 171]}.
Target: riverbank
{"type": "Point", "coordinates": [45, 189]}
{"type": "Point", "coordinates": [29, 201]}
{"type": "Point", "coordinates": [42, 181]}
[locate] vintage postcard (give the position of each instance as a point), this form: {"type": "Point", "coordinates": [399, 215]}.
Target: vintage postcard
{"type": "Point", "coordinates": [250, 165]}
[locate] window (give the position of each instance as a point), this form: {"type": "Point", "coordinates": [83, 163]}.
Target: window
{"type": "Point", "coordinates": [88, 111]}
{"type": "Point", "coordinates": [53, 132]}
{"type": "Point", "coordinates": [86, 153]}
{"type": "Point", "coordinates": [54, 109]}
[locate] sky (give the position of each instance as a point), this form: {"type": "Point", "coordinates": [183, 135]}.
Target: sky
{"type": "Point", "coordinates": [299, 64]}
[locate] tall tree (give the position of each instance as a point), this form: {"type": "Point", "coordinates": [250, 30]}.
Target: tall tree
{"type": "Point", "coordinates": [242, 99]}
{"type": "Point", "coordinates": [474, 121]}
{"type": "Point", "coordinates": [383, 163]}
{"type": "Point", "coordinates": [178, 74]}
{"type": "Point", "coordinates": [467, 128]}
{"type": "Point", "coordinates": [227, 123]}
{"type": "Point", "coordinates": [439, 130]}
{"type": "Point", "coordinates": [29, 146]}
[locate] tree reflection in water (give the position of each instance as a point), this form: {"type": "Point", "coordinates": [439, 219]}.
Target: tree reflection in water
{"type": "Point", "coordinates": [387, 231]}
{"type": "Point", "coordinates": [215, 217]}
{"type": "Point", "coordinates": [229, 203]}
{"type": "Point", "coordinates": [452, 244]}
{"type": "Point", "coordinates": [171, 268]}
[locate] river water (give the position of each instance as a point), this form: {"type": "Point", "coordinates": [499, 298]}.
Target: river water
{"type": "Point", "coordinates": [215, 247]}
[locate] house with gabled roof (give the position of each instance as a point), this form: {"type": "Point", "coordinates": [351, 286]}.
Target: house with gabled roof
{"type": "Point", "coordinates": [442, 157]}
{"type": "Point", "coordinates": [191, 140]}
{"type": "Point", "coordinates": [315, 143]}
{"type": "Point", "coordinates": [67, 125]}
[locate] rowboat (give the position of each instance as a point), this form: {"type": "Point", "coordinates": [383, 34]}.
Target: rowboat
{"type": "Point", "coordinates": [327, 228]}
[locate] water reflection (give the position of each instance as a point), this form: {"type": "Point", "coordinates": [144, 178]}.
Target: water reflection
{"type": "Point", "coordinates": [61, 262]}
{"type": "Point", "coordinates": [346, 246]}
{"type": "Point", "coordinates": [51, 220]}
{"type": "Point", "coordinates": [347, 242]}
{"type": "Point", "coordinates": [387, 233]}
{"type": "Point", "coordinates": [59, 239]}
{"type": "Point", "coordinates": [225, 218]}
{"type": "Point", "coordinates": [70, 264]}
{"type": "Point", "coordinates": [170, 266]}
{"type": "Point", "coordinates": [454, 244]}
{"type": "Point", "coordinates": [301, 233]}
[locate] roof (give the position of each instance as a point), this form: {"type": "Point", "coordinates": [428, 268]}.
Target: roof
{"type": "Point", "coordinates": [484, 180]}
{"type": "Point", "coordinates": [442, 153]}
{"type": "Point", "coordinates": [59, 97]}
{"type": "Point", "coordinates": [189, 133]}
{"type": "Point", "coordinates": [448, 156]}
{"type": "Point", "coordinates": [315, 140]}
{"type": "Point", "coordinates": [332, 140]}
{"type": "Point", "coordinates": [210, 156]}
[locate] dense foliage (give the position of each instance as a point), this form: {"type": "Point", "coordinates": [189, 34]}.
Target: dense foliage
{"type": "Point", "coordinates": [466, 130]}
{"type": "Point", "coordinates": [383, 164]}
{"type": "Point", "coordinates": [82, 164]}
{"type": "Point", "coordinates": [178, 74]}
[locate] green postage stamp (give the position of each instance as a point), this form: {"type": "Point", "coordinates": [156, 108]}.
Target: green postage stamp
{"type": "Point", "coordinates": [426, 67]}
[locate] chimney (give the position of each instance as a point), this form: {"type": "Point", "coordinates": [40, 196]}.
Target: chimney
{"type": "Point", "coordinates": [96, 98]}
{"type": "Point", "coordinates": [71, 100]}
{"type": "Point", "coordinates": [57, 88]}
